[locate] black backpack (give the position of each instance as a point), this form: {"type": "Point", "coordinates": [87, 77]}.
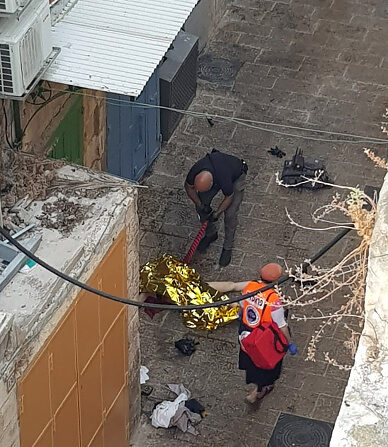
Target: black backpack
{"type": "Point", "coordinates": [301, 168]}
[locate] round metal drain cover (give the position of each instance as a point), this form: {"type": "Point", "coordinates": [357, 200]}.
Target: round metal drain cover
{"type": "Point", "coordinates": [296, 431]}
{"type": "Point", "coordinates": [217, 70]}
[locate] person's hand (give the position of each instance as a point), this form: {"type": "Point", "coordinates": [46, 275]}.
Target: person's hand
{"type": "Point", "coordinates": [292, 349]}
{"type": "Point", "coordinates": [211, 217]}
{"type": "Point", "coordinates": [204, 211]}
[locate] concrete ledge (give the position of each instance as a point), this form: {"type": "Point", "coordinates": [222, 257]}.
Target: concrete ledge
{"type": "Point", "coordinates": [362, 421]}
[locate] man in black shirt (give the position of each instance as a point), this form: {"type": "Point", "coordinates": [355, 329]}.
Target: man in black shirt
{"type": "Point", "coordinates": [217, 171]}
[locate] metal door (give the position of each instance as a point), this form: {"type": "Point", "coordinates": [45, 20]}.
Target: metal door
{"type": "Point", "coordinates": [67, 139]}
{"type": "Point", "coordinates": [133, 132]}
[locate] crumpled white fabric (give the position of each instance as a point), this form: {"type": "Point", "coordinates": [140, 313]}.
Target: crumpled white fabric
{"type": "Point", "coordinates": [144, 374]}
{"type": "Point", "coordinates": [168, 414]}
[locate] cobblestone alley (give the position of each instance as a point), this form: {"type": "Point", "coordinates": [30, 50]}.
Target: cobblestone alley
{"type": "Point", "coordinates": [310, 63]}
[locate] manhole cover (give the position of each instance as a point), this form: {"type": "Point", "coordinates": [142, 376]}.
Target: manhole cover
{"type": "Point", "coordinates": [217, 69]}
{"type": "Point", "coordinates": [296, 431]}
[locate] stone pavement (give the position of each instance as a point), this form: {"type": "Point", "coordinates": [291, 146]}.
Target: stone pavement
{"type": "Point", "coordinates": [310, 63]}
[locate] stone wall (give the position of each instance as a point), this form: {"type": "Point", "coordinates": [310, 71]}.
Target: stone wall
{"type": "Point", "coordinates": [204, 20]}
{"type": "Point", "coordinates": [40, 121]}
{"type": "Point", "coordinates": [364, 411]}
{"type": "Point", "coordinates": [40, 124]}
{"type": "Point", "coordinates": [36, 314]}
{"type": "Point", "coordinates": [94, 129]}
{"type": "Point", "coordinates": [133, 316]}
{"type": "Point", "coordinates": [8, 109]}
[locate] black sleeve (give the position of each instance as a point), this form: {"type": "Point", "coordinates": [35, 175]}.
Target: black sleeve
{"type": "Point", "coordinates": [226, 185]}
{"type": "Point", "coordinates": [194, 171]}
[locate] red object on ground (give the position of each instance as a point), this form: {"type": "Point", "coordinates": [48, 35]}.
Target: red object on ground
{"type": "Point", "coordinates": [195, 244]}
{"type": "Point", "coordinates": [266, 345]}
{"type": "Point", "coordinates": [154, 300]}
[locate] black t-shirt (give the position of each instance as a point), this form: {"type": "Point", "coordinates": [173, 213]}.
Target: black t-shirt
{"type": "Point", "coordinates": [226, 169]}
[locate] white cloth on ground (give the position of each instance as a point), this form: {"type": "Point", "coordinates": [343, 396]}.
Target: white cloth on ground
{"type": "Point", "coordinates": [169, 414]}
{"type": "Point", "coordinates": [144, 374]}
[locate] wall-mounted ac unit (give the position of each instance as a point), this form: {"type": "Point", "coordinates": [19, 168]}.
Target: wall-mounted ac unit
{"type": "Point", "coordinates": [25, 44]}
{"type": "Point", "coordinates": [178, 81]}
{"type": "Point", "coordinates": [9, 6]}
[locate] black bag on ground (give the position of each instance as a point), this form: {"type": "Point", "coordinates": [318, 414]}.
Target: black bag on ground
{"type": "Point", "coordinates": [301, 168]}
{"type": "Point", "coordinates": [186, 346]}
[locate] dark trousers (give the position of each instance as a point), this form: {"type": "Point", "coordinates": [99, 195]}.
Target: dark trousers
{"type": "Point", "coordinates": [231, 213]}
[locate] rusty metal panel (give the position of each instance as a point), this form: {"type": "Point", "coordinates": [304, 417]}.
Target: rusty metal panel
{"type": "Point", "coordinates": [75, 393]}
{"type": "Point", "coordinates": [98, 440]}
{"type": "Point", "coordinates": [46, 438]}
{"type": "Point", "coordinates": [62, 360]}
{"type": "Point", "coordinates": [90, 399]}
{"type": "Point", "coordinates": [113, 274]}
{"type": "Point", "coordinates": [88, 327]}
{"type": "Point", "coordinates": [34, 401]}
{"type": "Point", "coordinates": [113, 362]}
{"type": "Point", "coordinates": [66, 422]}
{"type": "Point", "coordinates": [116, 420]}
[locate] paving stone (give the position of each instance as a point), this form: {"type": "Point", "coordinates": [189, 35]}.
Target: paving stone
{"type": "Point", "coordinates": [376, 76]}
{"type": "Point", "coordinates": [295, 17]}
{"type": "Point", "coordinates": [317, 384]}
{"type": "Point", "coordinates": [283, 60]}
{"type": "Point", "coordinates": [333, 29]}
{"type": "Point", "coordinates": [308, 63]}
{"type": "Point", "coordinates": [327, 408]}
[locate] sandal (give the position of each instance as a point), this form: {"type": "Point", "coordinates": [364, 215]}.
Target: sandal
{"type": "Point", "coordinates": [252, 397]}
{"type": "Point", "coordinates": [265, 390]}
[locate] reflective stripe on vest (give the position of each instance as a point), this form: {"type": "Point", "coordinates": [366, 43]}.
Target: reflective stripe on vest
{"type": "Point", "coordinates": [252, 313]}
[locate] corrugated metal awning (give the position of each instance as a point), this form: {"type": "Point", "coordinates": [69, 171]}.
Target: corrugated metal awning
{"type": "Point", "coordinates": [115, 45]}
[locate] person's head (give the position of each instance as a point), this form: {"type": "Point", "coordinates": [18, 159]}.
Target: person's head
{"type": "Point", "coordinates": [203, 181]}
{"type": "Point", "coordinates": [271, 272]}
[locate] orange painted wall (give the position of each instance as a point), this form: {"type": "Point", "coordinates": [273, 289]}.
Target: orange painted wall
{"type": "Point", "coordinates": [75, 392]}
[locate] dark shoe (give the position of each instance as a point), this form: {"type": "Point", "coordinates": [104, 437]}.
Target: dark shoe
{"type": "Point", "coordinates": [225, 257]}
{"type": "Point", "coordinates": [206, 241]}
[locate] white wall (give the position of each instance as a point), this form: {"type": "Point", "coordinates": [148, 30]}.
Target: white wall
{"type": "Point", "coordinates": [362, 421]}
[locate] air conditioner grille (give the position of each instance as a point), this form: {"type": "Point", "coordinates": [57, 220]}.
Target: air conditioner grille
{"type": "Point", "coordinates": [2, 4]}
{"type": "Point", "coordinates": [183, 88]}
{"type": "Point", "coordinates": [6, 84]}
{"type": "Point", "coordinates": [30, 51]}
{"type": "Point", "coordinates": [178, 81]}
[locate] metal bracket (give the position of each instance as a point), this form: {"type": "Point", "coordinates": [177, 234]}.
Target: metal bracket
{"type": "Point", "coordinates": [13, 267]}
{"type": "Point", "coordinates": [46, 65]}
{"type": "Point", "coordinates": [7, 253]}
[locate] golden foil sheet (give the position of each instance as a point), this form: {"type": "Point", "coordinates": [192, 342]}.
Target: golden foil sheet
{"type": "Point", "coordinates": [180, 284]}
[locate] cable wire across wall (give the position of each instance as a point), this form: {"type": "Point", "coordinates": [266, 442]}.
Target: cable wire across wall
{"type": "Point", "coordinates": [131, 302]}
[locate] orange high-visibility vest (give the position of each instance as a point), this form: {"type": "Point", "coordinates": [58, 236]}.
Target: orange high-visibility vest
{"type": "Point", "coordinates": [252, 312]}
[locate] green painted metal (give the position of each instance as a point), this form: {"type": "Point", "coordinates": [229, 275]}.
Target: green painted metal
{"type": "Point", "coordinates": [67, 139]}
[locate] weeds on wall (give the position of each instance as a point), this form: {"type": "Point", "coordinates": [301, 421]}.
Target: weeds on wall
{"type": "Point", "coordinates": [342, 287]}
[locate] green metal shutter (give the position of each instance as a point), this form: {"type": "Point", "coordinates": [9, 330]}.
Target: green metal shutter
{"type": "Point", "coordinates": [67, 139]}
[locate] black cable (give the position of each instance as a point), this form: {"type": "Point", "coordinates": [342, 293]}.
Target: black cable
{"type": "Point", "coordinates": [129, 302]}
{"type": "Point", "coordinates": [38, 93]}
{"type": "Point", "coordinates": [6, 126]}
{"type": "Point", "coordinates": [40, 108]}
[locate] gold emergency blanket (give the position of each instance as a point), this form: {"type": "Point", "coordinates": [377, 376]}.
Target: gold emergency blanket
{"type": "Point", "coordinates": [180, 284]}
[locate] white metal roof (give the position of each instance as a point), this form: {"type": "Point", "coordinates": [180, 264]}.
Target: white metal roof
{"type": "Point", "coordinates": [115, 45]}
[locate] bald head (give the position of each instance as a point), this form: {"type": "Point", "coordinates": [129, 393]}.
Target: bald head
{"type": "Point", "coordinates": [203, 181]}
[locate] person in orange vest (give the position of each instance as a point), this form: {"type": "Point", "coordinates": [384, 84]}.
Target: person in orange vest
{"type": "Point", "coordinates": [266, 306]}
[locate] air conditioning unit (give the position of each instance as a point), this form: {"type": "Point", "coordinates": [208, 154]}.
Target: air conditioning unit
{"type": "Point", "coordinates": [25, 44]}
{"type": "Point", "coordinates": [9, 6]}
{"type": "Point", "coordinates": [178, 80]}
